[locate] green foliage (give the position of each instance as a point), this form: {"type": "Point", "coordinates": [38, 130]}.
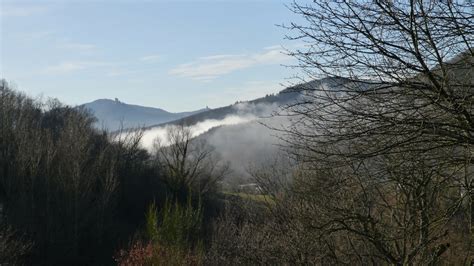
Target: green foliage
{"type": "Point", "coordinates": [151, 227]}
{"type": "Point", "coordinates": [173, 236]}
{"type": "Point", "coordinates": [181, 224]}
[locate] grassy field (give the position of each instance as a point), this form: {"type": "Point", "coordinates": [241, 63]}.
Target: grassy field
{"type": "Point", "coordinates": [261, 198]}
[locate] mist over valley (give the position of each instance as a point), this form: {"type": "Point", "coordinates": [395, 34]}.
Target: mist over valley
{"type": "Point", "coordinates": [339, 133]}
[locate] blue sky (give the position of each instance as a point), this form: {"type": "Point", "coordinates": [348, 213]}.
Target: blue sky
{"type": "Point", "coordinates": [177, 55]}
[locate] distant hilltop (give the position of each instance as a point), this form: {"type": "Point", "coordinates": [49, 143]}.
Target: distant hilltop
{"type": "Point", "coordinates": [114, 114]}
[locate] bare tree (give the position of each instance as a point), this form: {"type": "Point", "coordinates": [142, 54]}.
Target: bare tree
{"type": "Point", "coordinates": [408, 66]}
{"type": "Point", "coordinates": [188, 163]}
{"type": "Point", "coordinates": [386, 137]}
{"type": "Point", "coordinates": [13, 249]}
{"type": "Point", "coordinates": [58, 176]}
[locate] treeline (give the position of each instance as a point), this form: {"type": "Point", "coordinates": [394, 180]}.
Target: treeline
{"type": "Point", "coordinates": [70, 194]}
{"type": "Point", "coordinates": [66, 189]}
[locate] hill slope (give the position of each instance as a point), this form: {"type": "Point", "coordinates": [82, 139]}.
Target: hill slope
{"type": "Point", "coordinates": [113, 114]}
{"type": "Point", "coordinates": [260, 107]}
{"type": "Point", "coordinates": [240, 133]}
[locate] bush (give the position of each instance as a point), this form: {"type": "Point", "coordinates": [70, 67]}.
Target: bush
{"type": "Point", "coordinates": [181, 225]}
{"type": "Point", "coordinates": [172, 236]}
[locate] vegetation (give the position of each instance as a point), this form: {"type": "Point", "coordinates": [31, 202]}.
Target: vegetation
{"type": "Point", "coordinates": [377, 169]}
{"type": "Point", "coordinates": [382, 145]}
{"type": "Point", "coordinates": [70, 194]}
{"type": "Point", "coordinates": [175, 240]}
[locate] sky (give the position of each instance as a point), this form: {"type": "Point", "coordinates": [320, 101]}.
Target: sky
{"type": "Point", "coordinates": [177, 55]}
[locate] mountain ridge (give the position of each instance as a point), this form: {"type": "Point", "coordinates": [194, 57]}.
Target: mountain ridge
{"type": "Point", "coordinates": [114, 114]}
{"type": "Point", "coordinates": [286, 96]}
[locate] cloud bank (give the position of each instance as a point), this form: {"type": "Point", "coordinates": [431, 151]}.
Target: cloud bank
{"type": "Point", "coordinates": [210, 67]}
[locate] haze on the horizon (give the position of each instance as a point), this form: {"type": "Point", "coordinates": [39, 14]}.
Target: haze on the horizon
{"type": "Point", "coordinates": [176, 55]}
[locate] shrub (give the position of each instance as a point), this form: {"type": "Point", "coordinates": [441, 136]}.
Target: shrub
{"type": "Point", "coordinates": [181, 225]}
{"type": "Point", "coordinates": [172, 237]}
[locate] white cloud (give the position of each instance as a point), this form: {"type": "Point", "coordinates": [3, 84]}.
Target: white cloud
{"type": "Point", "coordinates": [211, 67]}
{"type": "Point", "coordinates": [248, 90]}
{"type": "Point", "coordinates": [150, 58]}
{"type": "Point", "coordinates": [21, 10]}
{"type": "Point", "coordinates": [73, 66]}
{"type": "Point", "coordinates": [221, 56]}
{"type": "Point", "coordinates": [273, 47]}
{"type": "Point", "coordinates": [78, 46]}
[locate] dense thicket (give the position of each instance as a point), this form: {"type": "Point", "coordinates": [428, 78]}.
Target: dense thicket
{"type": "Point", "coordinates": [71, 194]}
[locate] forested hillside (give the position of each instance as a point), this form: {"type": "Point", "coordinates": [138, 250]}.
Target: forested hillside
{"type": "Point", "coordinates": [69, 194]}
{"type": "Point", "coordinates": [373, 163]}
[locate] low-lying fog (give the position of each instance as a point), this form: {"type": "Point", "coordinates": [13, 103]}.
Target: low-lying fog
{"type": "Point", "coordinates": [243, 139]}
{"type": "Point", "coordinates": [150, 135]}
